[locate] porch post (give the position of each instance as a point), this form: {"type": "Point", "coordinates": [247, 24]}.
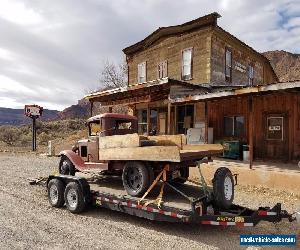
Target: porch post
{"type": "Point", "coordinates": [206, 121]}
{"type": "Point", "coordinates": [169, 118]}
{"type": "Point", "coordinates": [251, 124]}
{"type": "Point", "coordinates": [148, 119]}
{"type": "Point", "coordinates": [91, 108]}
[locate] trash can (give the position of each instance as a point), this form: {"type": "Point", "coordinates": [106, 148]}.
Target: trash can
{"type": "Point", "coordinates": [246, 153]}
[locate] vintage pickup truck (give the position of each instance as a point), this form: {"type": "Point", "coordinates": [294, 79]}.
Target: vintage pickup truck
{"type": "Point", "coordinates": [114, 147]}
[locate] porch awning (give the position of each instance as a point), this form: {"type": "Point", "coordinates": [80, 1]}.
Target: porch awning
{"type": "Point", "coordinates": [157, 90]}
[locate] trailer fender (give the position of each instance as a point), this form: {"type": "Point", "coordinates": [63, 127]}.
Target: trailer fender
{"type": "Point", "coordinates": [74, 158]}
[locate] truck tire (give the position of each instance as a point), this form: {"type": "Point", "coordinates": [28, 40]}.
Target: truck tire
{"type": "Point", "coordinates": [66, 167]}
{"type": "Point", "coordinates": [184, 175]}
{"type": "Point", "coordinates": [56, 193]}
{"type": "Point", "coordinates": [74, 198]}
{"type": "Point", "coordinates": [223, 188]}
{"type": "Point", "coordinates": [136, 178]}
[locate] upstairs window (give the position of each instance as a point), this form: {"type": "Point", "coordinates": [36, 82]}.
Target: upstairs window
{"type": "Point", "coordinates": [142, 72]}
{"type": "Point", "coordinates": [187, 64]}
{"type": "Point", "coordinates": [228, 65]}
{"type": "Point", "coordinates": [250, 75]}
{"type": "Point", "coordinates": [162, 69]}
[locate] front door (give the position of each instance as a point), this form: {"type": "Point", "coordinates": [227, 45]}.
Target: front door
{"type": "Point", "coordinates": [276, 136]}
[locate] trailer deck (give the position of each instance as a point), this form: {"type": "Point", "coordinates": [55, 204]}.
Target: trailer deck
{"type": "Point", "coordinates": [109, 193]}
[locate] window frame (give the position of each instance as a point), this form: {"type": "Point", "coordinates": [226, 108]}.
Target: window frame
{"type": "Point", "coordinates": [191, 64]}
{"type": "Point", "coordinates": [233, 134]}
{"type": "Point", "coordinates": [228, 78]}
{"type": "Point", "coordinates": [145, 67]}
{"type": "Point", "coordinates": [250, 80]}
{"type": "Point", "coordinates": [161, 71]}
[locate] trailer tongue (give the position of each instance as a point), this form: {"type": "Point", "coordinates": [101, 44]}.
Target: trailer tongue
{"type": "Point", "coordinates": [186, 203]}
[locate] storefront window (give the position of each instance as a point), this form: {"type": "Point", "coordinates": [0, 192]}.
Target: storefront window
{"type": "Point", "coordinates": [142, 121]}
{"type": "Point", "coordinates": [153, 121]}
{"type": "Point", "coordinates": [234, 126]}
{"type": "Point", "coordinates": [185, 118]}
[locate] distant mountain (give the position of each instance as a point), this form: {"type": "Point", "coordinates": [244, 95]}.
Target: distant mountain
{"type": "Point", "coordinates": [10, 116]}
{"type": "Point", "coordinates": [286, 65]}
{"type": "Point", "coordinates": [79, 110]}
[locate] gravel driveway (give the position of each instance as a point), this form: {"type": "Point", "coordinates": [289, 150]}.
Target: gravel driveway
{"type": "Point", "coordinates": [27, 221]}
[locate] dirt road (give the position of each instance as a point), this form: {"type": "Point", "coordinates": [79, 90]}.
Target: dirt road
{"type": "Point", "coordinates": [28, 221]}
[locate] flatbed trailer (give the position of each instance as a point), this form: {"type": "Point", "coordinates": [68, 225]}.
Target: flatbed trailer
{"type": "Point", "coordinates": [185, 203]}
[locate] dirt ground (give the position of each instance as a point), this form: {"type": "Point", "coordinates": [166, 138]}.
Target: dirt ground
{"type": "Point", "coordinates": [28, 221]}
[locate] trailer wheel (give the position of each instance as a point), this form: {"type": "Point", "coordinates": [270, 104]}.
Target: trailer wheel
{"type": "Point", "coordinates": [184, 175]}
{"type": "Point", "coordinates": [56, 193]}
{"type": "Point", "coordinates": [136, 177]}
{"type": "Point", "coordinates": [223, 188]}
{"type": "Point", "coordinates": [66, 167]}
{"type": "Point", "coordinates": [74, 198]}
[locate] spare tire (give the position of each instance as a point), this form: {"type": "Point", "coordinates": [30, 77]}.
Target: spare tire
{"type": "Point", "coordinates": [66, 167]}
{"type": "Point", "coordinates": [223, 188]}
{"type": "Point", "coordinates": [136, 178]}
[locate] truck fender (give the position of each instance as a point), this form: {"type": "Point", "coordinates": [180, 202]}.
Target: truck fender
{"type": "Point", "coordinates": [74, 158]}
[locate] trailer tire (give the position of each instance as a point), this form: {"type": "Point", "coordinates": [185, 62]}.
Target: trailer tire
{"type": "Point", "coordinates": [66, 167]}
{"type": "Point", "coordinates": [55, 191]}
{"type": "Point", "coordinates": [223, 188]}
{"type": "Point", "coordinates": [74, 198]}
{"type": "Point", "coordinates": [184, 175]}
{"type": "Point", "coordinates": [136, 178]}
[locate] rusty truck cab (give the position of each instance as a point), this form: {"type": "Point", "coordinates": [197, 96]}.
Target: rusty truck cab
{"type": "Point", "coordinates": [107, 124]}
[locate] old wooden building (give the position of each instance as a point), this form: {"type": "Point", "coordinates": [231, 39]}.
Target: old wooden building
{"type": "Point", "coordinates": [197, 77]}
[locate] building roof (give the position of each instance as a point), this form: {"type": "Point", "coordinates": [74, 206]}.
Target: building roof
{"type": "Point", "coordinates": [207, 20]}
{"type": "Point", "coordinates": [159, 89]}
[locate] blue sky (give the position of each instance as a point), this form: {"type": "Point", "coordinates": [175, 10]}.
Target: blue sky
{"type": "Point", "coordinates": [51, 52]}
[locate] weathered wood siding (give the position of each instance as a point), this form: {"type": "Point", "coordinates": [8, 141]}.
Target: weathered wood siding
{"type": "Point", "coordinates": [226, 107]}
{"type": "Point", "coordinates": [284, 103]}
{"type": "Point", "coordinates": [242, 56]}
{"type": "Point", "coordinates": [170, 49]}
{"type": "Point", "coordinates": [287, 104]}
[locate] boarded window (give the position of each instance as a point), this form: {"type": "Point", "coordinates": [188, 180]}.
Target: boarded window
{"type": "Point", "coordinates": [142, 121]}
{"type": "Point", "coordinates": [228, 65]}
{"type": "Point", "coordinates": [162, 69]}
{"type": "Point", "coordinates": [275, 128]}
{"type": "Point", "coordinates": [234, 126]}
{"type": "Point", "coordinates": [250, 75]}
{"type": "Point", "coordinates": [142, 72]}
{"type": "Point", "coordinates": [187, 64]}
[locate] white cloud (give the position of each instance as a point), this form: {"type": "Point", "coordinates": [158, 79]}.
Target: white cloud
{"type": "Point", "coordinates": [55, 48]}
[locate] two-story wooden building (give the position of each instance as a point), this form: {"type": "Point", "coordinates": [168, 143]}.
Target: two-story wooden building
{"type": "Point", "coordinates": [196, 73]}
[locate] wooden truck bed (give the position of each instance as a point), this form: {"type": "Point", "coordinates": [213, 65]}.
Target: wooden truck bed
{"type": "Point", "coordinates": [171, 148]}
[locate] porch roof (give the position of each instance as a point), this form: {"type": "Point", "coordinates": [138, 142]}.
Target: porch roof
{"type": "Point", "coordinates": [160, 89]}
{"type": "Point", "coordinates": [236, 91]}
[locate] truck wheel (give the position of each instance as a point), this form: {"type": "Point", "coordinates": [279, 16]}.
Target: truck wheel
{"type": "Point", "coordinates": [136, 177]}
{"type": "Point", "coordinates": [56, 193]}
{"type": "Point", "coordinates": [66, 167]}
{"type": "Point", "coordinates": [223, 188]}
{"type": "Point", "coordinates": [74, 198]}
{"type": "Point", "coordinates": [184, 175]}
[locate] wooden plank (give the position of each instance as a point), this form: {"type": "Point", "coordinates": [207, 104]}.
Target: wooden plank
{"type": "Point", "coordinates": [153, 153]}
{"type": "Point", "coordinates": [204, 147]}
{"type": "Point", "coordinates": [169, 118]}
{"type": "Point", "coordinates": [167, 140]}
{"type": "Point", "coordinates": [119, 141]}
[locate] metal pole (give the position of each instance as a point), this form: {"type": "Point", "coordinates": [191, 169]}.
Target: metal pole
{"type": "Point", "coordinates": [33, 134]}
